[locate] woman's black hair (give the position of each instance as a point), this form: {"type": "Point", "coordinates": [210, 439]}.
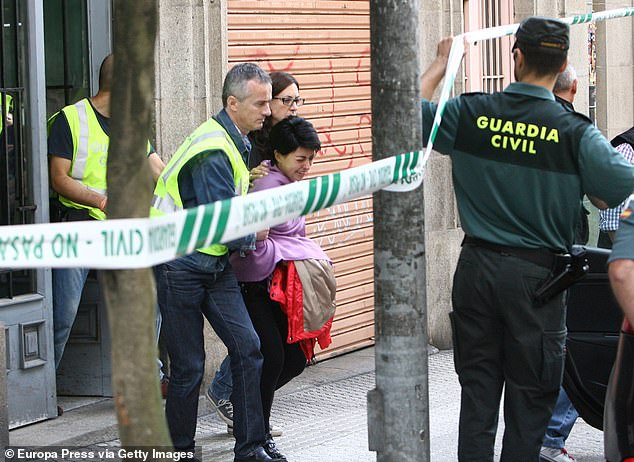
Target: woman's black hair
{"type": "Point", "coordinates": [292, 133]}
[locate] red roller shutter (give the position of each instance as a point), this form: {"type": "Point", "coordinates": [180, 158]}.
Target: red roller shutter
{"type": "Point", "coordinates": [326, 46]}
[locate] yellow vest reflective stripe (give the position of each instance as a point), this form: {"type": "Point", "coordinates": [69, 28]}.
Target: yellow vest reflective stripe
{"type": "Point", "coordinates": [90, 153]}
{"type": "Point", "coordinates": [7, 109]}
{"type": "Point", "coordinates": [210, 136]}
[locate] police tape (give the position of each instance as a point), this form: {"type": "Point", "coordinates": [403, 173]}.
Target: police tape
{"type": "Point", "coordinates": [144, 242]}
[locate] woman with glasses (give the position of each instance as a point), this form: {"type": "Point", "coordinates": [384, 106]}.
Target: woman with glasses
{"type": "Point", "coordinates": [284, 104]}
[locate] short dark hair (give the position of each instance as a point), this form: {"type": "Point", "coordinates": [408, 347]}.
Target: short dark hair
{"type": "Point", "coordinates": [236, 80]}
{"type": "Point", "coordinates": [292, 133]}
{"type": "Point", "coordinates": [105, 73]}
{"type": "Point", "coordinates": [540, 63]}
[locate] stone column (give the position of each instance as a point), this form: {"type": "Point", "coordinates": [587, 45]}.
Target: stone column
{"type": "Point", "coordinates": [4, 405]}
{"type": "Point", "coordinates": [191, 61]}
{"type": "Point", "coordinates": [442, 230]}
{"type": "Point", "coordinates": [615, 67]}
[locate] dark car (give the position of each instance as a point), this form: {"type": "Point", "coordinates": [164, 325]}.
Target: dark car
{"type": "Point", "coordinates": [594, 325]}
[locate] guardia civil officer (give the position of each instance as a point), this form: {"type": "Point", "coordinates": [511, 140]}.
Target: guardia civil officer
{"type": "Point", "coordinates": [521, 164]}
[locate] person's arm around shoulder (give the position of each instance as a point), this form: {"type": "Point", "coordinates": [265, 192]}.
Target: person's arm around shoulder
{"type": "Point", "coordinates": [258, 172]}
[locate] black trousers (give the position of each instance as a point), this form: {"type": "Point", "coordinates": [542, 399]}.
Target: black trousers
{"type": "Point", "coordinates": [282, 361]}
{"type": "Point", "coordinates": [504, 341]}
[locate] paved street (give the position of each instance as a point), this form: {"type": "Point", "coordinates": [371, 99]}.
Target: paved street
{"type": "Point", "coordinates": [323, 415]}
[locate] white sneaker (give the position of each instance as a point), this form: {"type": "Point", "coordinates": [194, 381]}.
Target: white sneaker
{"type": "Point", "coordinates": [275, 431]}
{"type": "Point", "coordinates": [554, 455]}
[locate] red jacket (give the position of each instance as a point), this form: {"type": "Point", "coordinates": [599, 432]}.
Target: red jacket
{"type": "Point", "coordinates": [286, 289]}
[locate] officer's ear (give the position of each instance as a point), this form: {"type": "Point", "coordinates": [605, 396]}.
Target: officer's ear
{"type": "Point", "coordinates": [232, 104]}
{"type": "Point", "coordinates": [563, 66]}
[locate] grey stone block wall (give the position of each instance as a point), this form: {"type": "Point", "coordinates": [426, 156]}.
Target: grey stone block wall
{"type": "Point", "coordinates": [440, 18]}
{"type": "Point", "coordinates": [615, 67]}
{"type": "Point", "coordinates": [191, 60]}
{"type": "Point", "coordinates": [4, 405]}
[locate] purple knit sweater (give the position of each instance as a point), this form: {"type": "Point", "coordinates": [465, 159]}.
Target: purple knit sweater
{"type": "Point", "coordinates": [287, 241]}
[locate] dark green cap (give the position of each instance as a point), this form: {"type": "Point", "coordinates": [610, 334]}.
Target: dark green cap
{"type": "Point", "coordinates": [543, 33]}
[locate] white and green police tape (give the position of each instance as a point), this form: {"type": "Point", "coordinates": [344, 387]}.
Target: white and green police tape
{"type": "Point", "coordinates": [137, 243]}
{"type": "Point", "coordinates": [144, 242]}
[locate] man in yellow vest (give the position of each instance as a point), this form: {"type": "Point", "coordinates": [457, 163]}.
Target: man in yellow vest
{"type": "Point", "coordinates": [6, 106]}
{"type": "Point", "coordinates": [211, 165]}
{"type": "Point", "coordinates": [78, 152]}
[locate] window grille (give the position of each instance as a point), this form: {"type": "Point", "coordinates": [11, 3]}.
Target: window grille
{"type": "Point", "coordinates": [16, 198]}
{"type": "Point", "coordinates": [489, 63]}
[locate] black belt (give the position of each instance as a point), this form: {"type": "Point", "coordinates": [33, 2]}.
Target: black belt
{"type": "Point", "coordinates": [541, 257]}
{"type": "Point", "coordinates": [255, 285]}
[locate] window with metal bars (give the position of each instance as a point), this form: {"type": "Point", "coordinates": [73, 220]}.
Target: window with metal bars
{"type": "Point", "coordinates": [16, 198]}
{"type": "Point", "coordinates": [489, 63]}
{"type": "Point", "coordinates": [66, 53]}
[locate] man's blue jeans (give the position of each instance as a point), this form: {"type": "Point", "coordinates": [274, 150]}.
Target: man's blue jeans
{"type": "Point", "coordinates": [68, 284]}
{"type": "Point", "coordinates": [561, 423]}
{"type": "Point", "coordinates": [221, 385]}
{"type": "Point", "coordinates": [189, 288]}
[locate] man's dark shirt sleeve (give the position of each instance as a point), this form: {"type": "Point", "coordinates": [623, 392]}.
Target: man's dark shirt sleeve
{"type": "Point", "coordinates": [207, 178]}
{"type": "Point", "coordinates": [60, 140]}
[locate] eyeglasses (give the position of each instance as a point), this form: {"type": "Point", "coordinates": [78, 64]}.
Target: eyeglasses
{"type": "Point", "coordinates": [289, 100]}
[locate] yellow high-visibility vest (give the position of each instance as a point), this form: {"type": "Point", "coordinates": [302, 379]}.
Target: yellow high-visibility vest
{"type": "Point", "coordinates": [210, 136]}
{"type": "Point", "coordinates": [90, 152]}
{"type": "Point", "coordinates": [7, 109]}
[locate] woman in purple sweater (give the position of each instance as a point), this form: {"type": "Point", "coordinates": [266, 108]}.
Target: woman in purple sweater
{"type": "Point", "coordinates": [294, 143]}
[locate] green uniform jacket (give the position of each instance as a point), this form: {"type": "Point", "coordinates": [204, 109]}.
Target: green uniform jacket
{"type": "Point", "coordinates": [521, 164]}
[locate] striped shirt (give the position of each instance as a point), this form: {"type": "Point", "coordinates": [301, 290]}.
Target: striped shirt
{"type": "Point", "coordinates": [609, 218]}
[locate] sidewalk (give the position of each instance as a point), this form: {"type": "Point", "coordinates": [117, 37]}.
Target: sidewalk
{"type": "Point", "coordinates": [322, 413]}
